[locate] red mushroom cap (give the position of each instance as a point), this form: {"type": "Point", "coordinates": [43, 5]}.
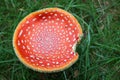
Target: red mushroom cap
{"type": "Point", "coordinates": [45, 40]}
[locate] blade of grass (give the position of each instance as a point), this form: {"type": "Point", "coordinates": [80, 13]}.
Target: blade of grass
{"type": "Point", "coordinates": [65, 76]}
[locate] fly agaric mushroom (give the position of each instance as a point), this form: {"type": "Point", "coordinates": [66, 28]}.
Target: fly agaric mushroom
{"type": "Point", "coordinates": [45, 40]}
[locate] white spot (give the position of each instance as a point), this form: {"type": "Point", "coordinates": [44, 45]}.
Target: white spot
{"type": "Point", "coordinates": [74, 39]}
{"type": "Point", "coordinates": [42, 65]}
{"type": "Point", "coordinates": [48, 57]}
{"type": "Point", "coordinates": [32, 60]}
{"type": "Point", "coordinates": [22, 25]}
{"type": "Point", "coordinates": [28, 47]}
{"type": "Point", "coordinates": [58, 57]}
{"type": "Point", "coordinates": [58, 39]}
{"type": "Point", "coordinates": [53, 56]}
{"type": "Point", "coordinates": [67, 39]}
{"type": "Point", "coordinates": [63, 33]}
{"type": "Point", "coordinates": [66, 31]}
{"type": "Point", "coordinates": [23, 47]}
{"type": "Point", "coordinates": [33, 30]}
{"type": "Point", "coordinates": [70, 33]}
{"type": "Point", "coordinates": [40, 62]}
{"type": "Point", "coordinates": [32, 46]}
{"type": "Point", "coordinates": [25, 41]}
{"type": "Point", "coordinates": [33, 25]}
{"type": "Point", "coordinates": [26, 57]}
{"type": "Point", "coordinates": [56, 23]}
{"type": "Point", "coordinates": [69, 28]}
{"type": "Point", "coordinates": [43, 52]}
{"type": "Point", "coordinates": [59, 48]}
{"type": "Point", "coordinates": [53, 62]}
{"type": "Point", "coordinates": [52, 21]}
{"type": "Point", "coordinates": [66, 25]}
{"type": "Point", "coordinates": [37, 64]}
{"type": "Point", "coordinates": [34, 50]}
{"type": "Point", "coordinates": [43, 17]}
{"type": "Point", "coordinates": [51, 13]}
{"type": "Point", "coordinates": [53, 10]}
{"type": "Point", "coordinates": [68, 51]}
{"type": "Point", "coordinates": [73, 20]}
{"type": "Point", "coordinates": [46, 12]}
{"type": "Point", "coordinates": [55, 14]}
{"type": "Point", "coordinates": [71, 24]}
{"type": "Point", "coordinates": [40, 15]}
{"type": "Point", "coordinates": [66, 18]}
{"type": "Point", "coordinates": [49, 21]}
{"type": "Point", "coordinates": [69, 21]}
{"type": "Point", "coordinates": [49, 17]}
{"type": "Point", "coordinates": [18, 43]}
{"type": "Point", "coordinates": [33, 64]}
{"type": "Point", "coordinates": [61, 23]}
{"type": "Point", "coordinates": [60, 33]}
{"type": "Point", "coordinates": [38, 58]}
{"type": "Point", "coordinates": [61, 26]}
{"type": "Point", "coordinates": [70, 45]}
{"type": "Point", "coordinates": [30, 38]}
{"type": "Point", "coordinates": [71, 52]}
{"type": "Point", "coordinates": [57, 19]}
{"type": "Point", "coordinates": [65, 60]}
{"type": "Point", "coordinates": [74, 35]}
{"type": "Point", "coordinates": [22, 41]}
{"type": "Point", "coordinates": [61, 14]}
{"type": "Point", "coordinates": [52, 26]}
{"type": "Point", "coordinates": [27, 28]}
{"type": "Point", "coordinates": [27, 22]}
{"type": "Point", "coordinates": [75, 28]}
{"type": "Point", "coordinates": [45, 20]}
{"type": "Point", "coordinates": [54, 29]}
{"type": "Point", "coordinates": [32, 56]}
{"type": "Point", "coordinates": [68, 57]}
{"type": "Point", "coordinates": [20, 33]}
{"type": "Point", "coordinates": [57, 62]}
{"type": "Point", "coordinates": [74, 54]}
{"type": "Point", "coordinates": [72, 30]}
{"type": "Point", "coordinates": [42, 23]}
{"type": "Point", "coordinates": [36, 55]}
{"type": "Point", "coordinates": [63, 20]}
{"type": "Point", "coordinates": [29, 33]}
{"type": "Point", "coordinates": [48, 64]}
{"type": "Point", "coordinates": [50, 30]}
{"type": "Point", "coordinates": [34, 19]}
{"type": "Point", "coordinates": [26, 51]}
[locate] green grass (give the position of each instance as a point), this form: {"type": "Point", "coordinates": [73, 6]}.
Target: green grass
{"type": "Point", "coordinates": [99, 49]}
